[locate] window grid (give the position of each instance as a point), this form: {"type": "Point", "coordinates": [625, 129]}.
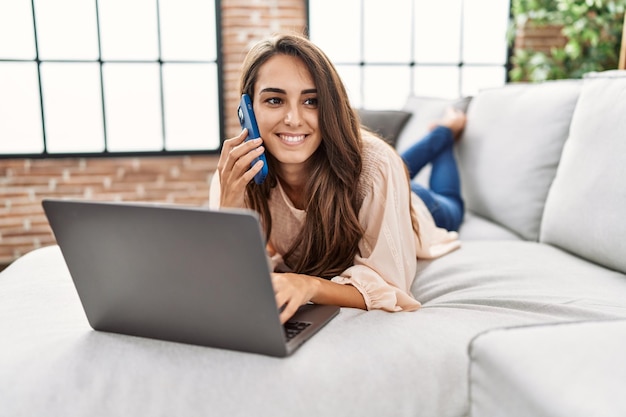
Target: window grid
{"type": "Point", "coordinates": [101, 62]}
{"type": "Point", "coordinates": [413, 62]}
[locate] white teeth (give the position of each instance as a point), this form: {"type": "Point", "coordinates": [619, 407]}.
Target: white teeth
{"type": "Point", "coordinates": [292, 139]}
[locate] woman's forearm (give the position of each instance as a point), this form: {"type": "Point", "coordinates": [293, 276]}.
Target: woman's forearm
{"type": "Point", "coordinates": [344, 295]}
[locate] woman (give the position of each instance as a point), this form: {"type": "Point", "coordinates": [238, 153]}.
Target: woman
{"type": "Point", "coordinates": [341, 222]}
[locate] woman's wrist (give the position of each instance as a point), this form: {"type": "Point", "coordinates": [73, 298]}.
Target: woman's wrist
{"type": "Point", "coordinates": [329, 292]}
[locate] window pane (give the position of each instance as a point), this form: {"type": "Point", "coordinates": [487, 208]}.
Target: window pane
{"type": "Point", "coordinates": [16, 24]}
{"type": "Point", "coordinates": [437, 81]}
{"type": "Point", "coordinates": [20, 110]}
{"type": "Point", "coordinates": [387, 36]}
{"type": "Point", "coordinates": [438, 31]}
{"type": "Point", "coordinates": [133, 107]}
{"type": "Point", "coordinates": [72, 107]}
{"type": "Point", "coordinates": [476, 78]}
{"type": "Point", "coordinates": [129, 29]}
{"type": "Point", "coordinates": [430, 41]}
{"type": "Point", "coordinates": [337, 28]}
{"type": "Point", "coordinates": [186, 30]}
{"type": "Point", "coordinates": [66, 29]}
{"type": "Point", "coordinates": [191, 106]}
{"type": "Point", "coordinates": [386, 87]}
{"type": "Point", "coordinates": [351, 76]}
{"type": "Point", "coordinates": [484, 31]}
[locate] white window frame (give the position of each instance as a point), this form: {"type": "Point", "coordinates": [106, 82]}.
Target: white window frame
{"type": "Point", "coordinates": [34, 123]}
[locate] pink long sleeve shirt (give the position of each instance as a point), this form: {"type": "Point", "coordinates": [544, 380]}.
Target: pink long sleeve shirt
{"type": "Point", "coordinates": [385, 265]}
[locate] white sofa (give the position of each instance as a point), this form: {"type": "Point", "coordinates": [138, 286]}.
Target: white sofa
{"type": "Point", "coordinates": [528, 318]}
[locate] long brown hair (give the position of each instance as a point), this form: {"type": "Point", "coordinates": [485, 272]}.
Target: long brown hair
{"type": "Point", "coordinates": [329, 239]}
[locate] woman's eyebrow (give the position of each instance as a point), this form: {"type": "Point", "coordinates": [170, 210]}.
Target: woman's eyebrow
{"type": "Point", "coordinates": [273, 90]}
{"type": "Point", "coordinates": [281, 91]}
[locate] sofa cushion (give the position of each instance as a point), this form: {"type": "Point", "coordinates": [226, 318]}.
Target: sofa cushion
{"type": "Point", "coordinates": [362, 363]}
{"type": "Point", "coordinates": [386, 123]}
{"type": "Point", "coordinates": [586, 207]}
{"type": "Point", "coordinates": [549, 370]}
{"type": "Point", "coordinates": [510, 151]}
{"type": "Point", "coordinates": [475, 227]}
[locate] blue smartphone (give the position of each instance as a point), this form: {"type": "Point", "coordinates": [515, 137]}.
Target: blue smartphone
{"type": "Point", "coordinates": [248, 121]}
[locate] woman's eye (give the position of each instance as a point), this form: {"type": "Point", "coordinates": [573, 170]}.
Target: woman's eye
{"type": "Point", "coordinates": [273, 100]}
{"type": "Point", "coordinates": [311, 102]}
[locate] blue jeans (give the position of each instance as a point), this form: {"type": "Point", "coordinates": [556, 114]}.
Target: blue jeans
{"type": "Point", "coordinates": [443, 197]}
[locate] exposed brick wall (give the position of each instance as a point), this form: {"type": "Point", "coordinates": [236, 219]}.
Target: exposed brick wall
{"type": "Point", "coordinates": [245, 22]}
{"type": "Point", "coordinates": [540, 38]}
{"type": "Point", "coordinates": [182, 180]}
{"type": "Point", "coordinates": [24, 183]}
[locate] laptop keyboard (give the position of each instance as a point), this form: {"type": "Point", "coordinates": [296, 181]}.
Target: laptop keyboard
{"type": "Point", "coordinates": [293, 328]}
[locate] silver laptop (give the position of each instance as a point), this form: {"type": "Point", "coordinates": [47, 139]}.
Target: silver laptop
{"type": "Point", "coordinates": [177, 273]}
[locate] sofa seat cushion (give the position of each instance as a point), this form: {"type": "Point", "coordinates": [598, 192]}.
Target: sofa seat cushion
{"type": "Point", "coordinates": [475, 227]}
{"type": "Point", "coordinates": [528, 277]}
{"type": "Point", "coordinates": [362, 363]}
{"type": "Point", "coordinates": [586, 208]}
{"type": "Point", "coordinates": [564, 370]}
{"type": "Point", "coordinates": [510, 151]}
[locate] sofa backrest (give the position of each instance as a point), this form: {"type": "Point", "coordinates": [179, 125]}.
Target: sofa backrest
{"type": "Point", "coordinates": [510, 150]}
{"type": "Point", "coordinates": [585, 210]}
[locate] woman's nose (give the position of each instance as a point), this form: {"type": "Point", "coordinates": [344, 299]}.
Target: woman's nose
{"type": "Point", "coordinates": [292, 117]}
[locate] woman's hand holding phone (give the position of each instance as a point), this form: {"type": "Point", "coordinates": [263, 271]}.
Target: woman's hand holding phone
{"type": "Point", "coordinates": [247, 119]}
{"type": "Point", "coordinates": [236, 168]}
{"type": "Point", "coordinates": [242, 158]}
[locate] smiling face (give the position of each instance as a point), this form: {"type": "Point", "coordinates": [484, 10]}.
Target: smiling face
{"type": "Point", "coordinates": [286, 108]}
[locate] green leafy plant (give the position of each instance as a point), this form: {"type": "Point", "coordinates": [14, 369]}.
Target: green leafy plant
{"type": "Point", "coordinates": [592, 28]}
